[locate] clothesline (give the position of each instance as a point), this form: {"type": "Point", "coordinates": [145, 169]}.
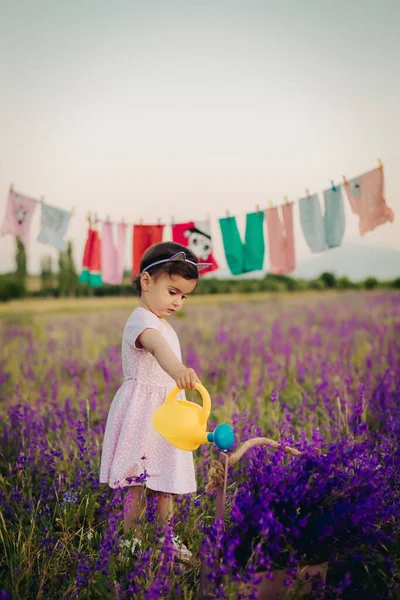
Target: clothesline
{"type": "Point", "coordinates": [227, 212]}
{"type": "Point", "coordinates": [322, 229]}
{"type": "Point", "coordinates": [93, 218]}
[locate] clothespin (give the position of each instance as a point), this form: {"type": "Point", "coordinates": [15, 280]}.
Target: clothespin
{"type": "Point", "coordinates": [12, 187]}
{"type": "Point", "coordinates": [227, 213]}
{"type": "Point", "coordinates": [41, 199]}
{"type": "Point", "coordinates": [172, 221]}
{"type": "Point", "coordinates": [159, 223]}
{"type": "Point", "coordinates": [96, 218]}
{"type": "Point", "coordinates": [333, 186]}
{"type": "Point", "coordinates": [286, 199]}
{"type": "Point", "coordinates": [89, 218]}
{"type": "Point", "coordinates": [380, 163]}
{"type": "Point", "coordinates": [308, 193]}
{"type": "Point", "coordinates": [270, 204]}
{"type": "Point", "coordinates": [141, 221]}
{"type": "Point", "coordinates": [344, 179]}
{"type": "Point", "coordinates": [107, 218]}
{"type": "Point", "coordinates": [72, 210]}
{"type": "Point", "coordinates": [258, 209]}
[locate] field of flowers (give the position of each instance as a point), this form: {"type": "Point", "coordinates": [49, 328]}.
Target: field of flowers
{"type": "Point", "coordinates": [320, 373]}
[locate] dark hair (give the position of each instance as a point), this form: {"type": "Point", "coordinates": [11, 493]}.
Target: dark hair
{"type": "Point", "coordinates": [174, 267]}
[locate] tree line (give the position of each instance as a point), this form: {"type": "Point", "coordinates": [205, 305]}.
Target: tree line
{"type": "Point", "coordinates": [63, 281]}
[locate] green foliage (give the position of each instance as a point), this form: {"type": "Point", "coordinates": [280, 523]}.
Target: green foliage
{"type": "Point", "coordinates": [396, 283]}
{"type": "Point", "coordinates": [328, 279]}
{"type": "Point", "coordinates": [370, 283]}
{"type": "Point", "coordinates": [344, 283]}
{"type": "Point", "coordinates": [46, 272]}
{"type": "Point", "coordinates": [46, 292]}
{"type": "Point", "coordinates": [20, 261]}
{"type": "Point", "coordinates": [68, 284]}
{"type": "Point", "coordinates": [67, 275]}
{"type": "Point", "coordinates": [112, 290]}
{"type": "Point", "coordinates": [316, 284]}
{"type": "Point", "coordinates": [11, 288]}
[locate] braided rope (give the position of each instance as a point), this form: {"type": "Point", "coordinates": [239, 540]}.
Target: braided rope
{"type": "Point", "coordinates": [216, 473]}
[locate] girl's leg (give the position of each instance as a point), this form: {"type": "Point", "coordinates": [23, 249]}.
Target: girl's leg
{"type": "Point", "coordinates": [165, 507]}
{"type": "Point", "coordinates": [134, 504]}
{"type": "Point", "coordinates": [165, 511]}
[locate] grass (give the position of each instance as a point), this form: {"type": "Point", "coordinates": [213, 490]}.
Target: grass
{"type": "Point", "coordinates": [63, 363]}
{"type": "Point", "coordinates": [37, 306]}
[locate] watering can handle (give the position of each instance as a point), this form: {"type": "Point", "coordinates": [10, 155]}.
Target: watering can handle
{"type": "Point", "coordinates": [205, 396]}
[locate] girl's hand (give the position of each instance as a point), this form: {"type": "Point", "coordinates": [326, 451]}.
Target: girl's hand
{"type": "Point", "coordinates": [186, 379]}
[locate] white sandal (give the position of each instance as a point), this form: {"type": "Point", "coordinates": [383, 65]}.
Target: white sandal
{"type": "Point", "coordinates": [180, 548]}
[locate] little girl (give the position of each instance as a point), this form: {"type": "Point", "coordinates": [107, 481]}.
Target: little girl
{"type": "Point", "coordinates": [152, 366]}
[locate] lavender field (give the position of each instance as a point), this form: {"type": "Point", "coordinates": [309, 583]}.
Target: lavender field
{"type": "Point", "coordinates": [320, 373]}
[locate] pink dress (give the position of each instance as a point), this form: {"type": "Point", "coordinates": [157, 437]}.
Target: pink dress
{"type": "Point", "coordinates": [129, 433]}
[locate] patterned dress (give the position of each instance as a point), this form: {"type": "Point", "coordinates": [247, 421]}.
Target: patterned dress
{"type": "Point", "coordinates": [129, 433]}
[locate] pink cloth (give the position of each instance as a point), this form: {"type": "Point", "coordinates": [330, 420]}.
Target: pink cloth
{"type": "Point", "coordinates": [366, 195]}
{"type": "Point", "coordinates": [19, 213]}
{"type": "Point", "coordinates": [112, 256]}
{"type": "Point", "coordinates": [281, 239]}
{"type": "Point", "coordinates": [129, 433]}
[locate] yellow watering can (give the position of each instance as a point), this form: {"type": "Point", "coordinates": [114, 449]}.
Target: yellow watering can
{"type": "Point", "coordinates": [183, 424]}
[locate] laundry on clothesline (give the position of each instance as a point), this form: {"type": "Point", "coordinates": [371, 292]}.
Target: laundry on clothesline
{"type": "Point", "coordinates": [281, 239]}
{"type": "Point", "coordinates": [323, 231]}
{"type": "Point", "coordinates": [248, 256]}
{"type": "Point", "coordinates": [366, 195]}
{"type": "Point", "coordinates": [196, 236]}
{"type": "Point", "coordinates": [18, 216]}
{"type": "Point", "coordinates": [112, 254]}
{"type": "Point", "coordinates": [91, 269]}
{"type": "Point", "coordinates": [54, 224]}
{"type": "Point", "coordinates": [144, 236]}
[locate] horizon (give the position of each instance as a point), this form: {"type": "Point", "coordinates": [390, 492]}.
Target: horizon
{"type": "Point", "coordinates": [307, 270]}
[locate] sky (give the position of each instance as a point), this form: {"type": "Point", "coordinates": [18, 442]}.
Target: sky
{"type": "Point", "coordinates": [182, 109]}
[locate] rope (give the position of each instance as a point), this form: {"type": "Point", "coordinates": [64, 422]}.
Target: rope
{"type": "Point", "coordinates": [216, 473]}
{"type": "Point", "coordinates": [164, 222]}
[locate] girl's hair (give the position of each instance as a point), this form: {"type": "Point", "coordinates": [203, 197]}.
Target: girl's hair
{"type": "Point", "coordinates": [175, 267]}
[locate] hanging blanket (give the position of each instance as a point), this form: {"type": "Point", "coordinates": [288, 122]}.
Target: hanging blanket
{"type": "Point", "coordinates": [19, 213]}
{"type": "Point", "coordinates": [367, 199]}
{"type": "Point", "coordinates": [196, 236]}
{"type": "Point", "coordinates": [54, 223]}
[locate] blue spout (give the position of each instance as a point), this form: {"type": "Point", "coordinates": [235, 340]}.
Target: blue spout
{"type": "Point", "coordinates": [223, 437]}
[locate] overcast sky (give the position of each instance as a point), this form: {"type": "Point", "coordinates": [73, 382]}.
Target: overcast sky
{"type": "Point", "coordinates": [176, 108]}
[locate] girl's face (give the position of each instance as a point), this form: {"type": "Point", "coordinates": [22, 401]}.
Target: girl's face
{"type": "Point", "coordinates": [165, 295]}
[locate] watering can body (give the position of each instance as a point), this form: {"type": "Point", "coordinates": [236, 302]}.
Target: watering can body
{"type": "Point", "coordinates": [184, 424]}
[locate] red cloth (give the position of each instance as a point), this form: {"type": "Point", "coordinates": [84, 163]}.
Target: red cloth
{"type": "Point", "coordinates": [144, 236]}
{"type": "Point", "coordinates": [197, 237]}
{"type": "Point", "coordinates": [91, 268]}
{"type": "Point", "coordinates": [92, 253]}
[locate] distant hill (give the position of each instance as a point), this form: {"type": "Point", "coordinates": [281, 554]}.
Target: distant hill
{"type": "Point", "coordinates": [356, 261]}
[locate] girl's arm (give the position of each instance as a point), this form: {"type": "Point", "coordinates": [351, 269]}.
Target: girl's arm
{"type": "Point", "coordinates": [157, 345]}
